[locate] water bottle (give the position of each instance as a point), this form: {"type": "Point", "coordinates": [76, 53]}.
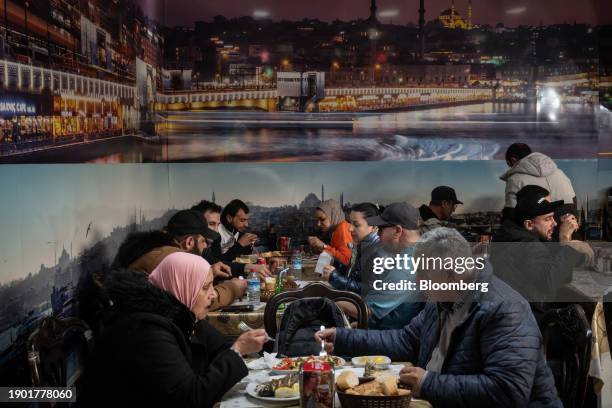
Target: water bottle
{"type": "Point", "coordinates": [296, 265]}
{"type": "Point", "coordinates": [253, 289]}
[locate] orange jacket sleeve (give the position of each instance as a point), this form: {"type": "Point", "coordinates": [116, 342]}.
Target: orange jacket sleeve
{"type": "Point", "coordinates": [339, 246]}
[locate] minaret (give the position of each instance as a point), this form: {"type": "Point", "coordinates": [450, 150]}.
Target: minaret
{"type": "Point", "coordinates": [587, 207]}
{"type": "Point", "coordinates": [422, 29]}
{"type": "Point", "coordinates": [453, 13]}
{"type": "Point", "coordinates": [469, 27]}
{"type": "Point", "coordinates": [214, 199]}
{"type": "Point", "coordinates": [372, 10]}
{"type": "Point", "coordinates": [322, 192]}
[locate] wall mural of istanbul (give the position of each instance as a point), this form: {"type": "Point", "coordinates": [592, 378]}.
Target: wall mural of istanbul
{"type": "Point", "coordinates": [139, 81]}
{"type": "Point", "coordinates": [63, 223]}
{"type": "Point", "coordinates": [114, 114]}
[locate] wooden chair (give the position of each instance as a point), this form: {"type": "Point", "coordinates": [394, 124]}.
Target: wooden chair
{"type": "Point", "coordinates": [58, 351]}
{"type": "Point", "coordinates": [313, 290]}
{"type": "Point", "coordinates": [567, 344]}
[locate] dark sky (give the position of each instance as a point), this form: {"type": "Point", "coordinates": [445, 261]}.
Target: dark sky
{"type": "Point", "coordinates": [509, 12]}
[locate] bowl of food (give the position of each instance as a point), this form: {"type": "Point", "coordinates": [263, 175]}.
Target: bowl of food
{"type": "Point", "coordinates": [379, 362]}
{"type": "Point", "coordinates": [292, 364]}
{"type": "Point", "coordinates": [379, 392]}
{"type": "Point", "coordinates": [246, 259]}
{"type": "Point", "coordinates": [271, 254]}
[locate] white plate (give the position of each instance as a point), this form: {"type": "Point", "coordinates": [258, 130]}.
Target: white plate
{"type": "Point", "coordinates": [361, 362]}
{"type": "Point", "coordinates": [250, 390]}
{"type": "Point", "coordinates": [287, 372]}
{"type": "Point", "coordinates": [282, 372]}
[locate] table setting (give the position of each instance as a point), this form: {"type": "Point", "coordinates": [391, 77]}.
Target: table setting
{"type": "Point", "coordinates": [272, 382]}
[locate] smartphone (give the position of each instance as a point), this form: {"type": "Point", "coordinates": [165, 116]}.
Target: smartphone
{"type": "Point", "coordinates": [238, 308]}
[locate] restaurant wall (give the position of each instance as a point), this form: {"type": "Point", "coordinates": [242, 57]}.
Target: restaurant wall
{"type": "Point", "coordinates": [61, 223]}
{"type": "Point", "coordinates": [99, 153]}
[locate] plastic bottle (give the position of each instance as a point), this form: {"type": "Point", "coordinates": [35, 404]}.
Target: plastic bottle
{"type": "Point", "coordinates": [253, 289]}
{"type": "Point", "coordinates": [296, 264]}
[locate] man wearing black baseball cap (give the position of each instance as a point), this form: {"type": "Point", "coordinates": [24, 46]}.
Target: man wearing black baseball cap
{"type": "Point", "coordinates": [398, 228]}
{"type": "Point", "coordinates": [191, 232]}
{"type": "Point", "coordinates": [441, 207]}
{"type": "Point", "coordinates": [523, 255]}
{"type": "Point", "coordinates": [186, 231]}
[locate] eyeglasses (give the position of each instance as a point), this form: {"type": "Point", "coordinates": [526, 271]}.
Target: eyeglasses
{"type": "Point", "coordinates": [381, 228]}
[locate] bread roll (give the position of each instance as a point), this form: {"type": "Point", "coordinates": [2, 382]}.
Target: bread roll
{"type": "Point", "coordinates": [389, 386]}
{"type": "Point", "coordinates": [374, 393]}
{"type": "Point", "coordinates": [402, 392]}
{"type": "Point", "coordinates": [367, 388]}
{"type": "Point", "coordinates": [347, 379]}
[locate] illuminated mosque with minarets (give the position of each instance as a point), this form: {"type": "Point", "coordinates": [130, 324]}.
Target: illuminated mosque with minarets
{"type": "Point", "coordinates": [450, 18]}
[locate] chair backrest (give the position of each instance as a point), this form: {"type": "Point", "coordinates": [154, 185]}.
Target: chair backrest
{"type": "Point", "coordinates": [607, 307]}
{"type": "Point", "coordinates": [314, 289]}
{"type": "Point", "coordinates": [58, 351]}
{"type": "Point", "coordinates": [568, 342]}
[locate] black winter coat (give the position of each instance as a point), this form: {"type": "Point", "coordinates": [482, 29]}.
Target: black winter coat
{"type": "Point", "coordinates": [302, 319]}
{"type": "Point", "coordinates": [535, 269]}
{"type": "Point", "coordinates": [211, 258]}
{"type": "Point", "coordinates": [148, 354]}
{"type": "Point", "coordinates": [231, 254]}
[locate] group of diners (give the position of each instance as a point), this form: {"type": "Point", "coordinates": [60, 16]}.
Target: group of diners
{"type": "Point", "coordinates": [467, 348]}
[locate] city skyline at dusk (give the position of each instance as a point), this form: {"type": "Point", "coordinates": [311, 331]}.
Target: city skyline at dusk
{"type": "Point", "coordinates": [508, 12]}
{"type": "Point", "coordinates": [84, 205]}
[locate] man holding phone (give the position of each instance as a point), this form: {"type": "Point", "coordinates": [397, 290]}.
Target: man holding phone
{"type": "Point", "coordinates": [524, 256]}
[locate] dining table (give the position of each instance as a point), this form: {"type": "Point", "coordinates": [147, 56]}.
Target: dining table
{"type": "Point", "coordinates": [237, 397]}
{"type": "Point", "coordinates": [589, 284]}
{"type": "Point", "coordinates": [226, 322]}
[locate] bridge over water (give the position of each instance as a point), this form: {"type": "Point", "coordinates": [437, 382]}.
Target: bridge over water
{"type": "Point", "coordinates": [336, 99]}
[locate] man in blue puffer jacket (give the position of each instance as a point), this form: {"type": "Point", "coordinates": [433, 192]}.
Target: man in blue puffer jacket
{"type": "Point", "coordinates": [471, 348]}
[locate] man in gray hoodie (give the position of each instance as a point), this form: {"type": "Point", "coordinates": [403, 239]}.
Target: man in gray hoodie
{"type": "Point", "coordinates": [536, 169]}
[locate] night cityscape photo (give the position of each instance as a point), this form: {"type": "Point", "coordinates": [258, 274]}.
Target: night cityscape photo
{"type": "Point", "coordinates": [116, 81]}
{"type": "Point", "coordinates": [116, 114]}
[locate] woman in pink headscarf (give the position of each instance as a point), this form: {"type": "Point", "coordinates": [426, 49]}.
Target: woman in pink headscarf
{"type": "Point", "coordinates": [156, 349]}
{"type": "Point", "coordinates": [188, 278]}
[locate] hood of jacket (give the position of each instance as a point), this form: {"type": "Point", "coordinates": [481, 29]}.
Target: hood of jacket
{"type": "Point", "coordinates": [138, 244]}
{"type": "Point", "coordinates": [512, 232]}
{"type": "Point", "coordinates": [535, 164]}
{"type": "Point", "coordinates": [131, 292]}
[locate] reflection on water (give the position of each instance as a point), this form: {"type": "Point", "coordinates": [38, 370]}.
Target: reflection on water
{"type": "Point", "coordinates": [472, 132]}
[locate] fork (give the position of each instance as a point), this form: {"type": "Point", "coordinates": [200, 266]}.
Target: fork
{"type": "Point", "coordinates": [245, 328]}
{"type": "Point", "coordinates": [322, 353]}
